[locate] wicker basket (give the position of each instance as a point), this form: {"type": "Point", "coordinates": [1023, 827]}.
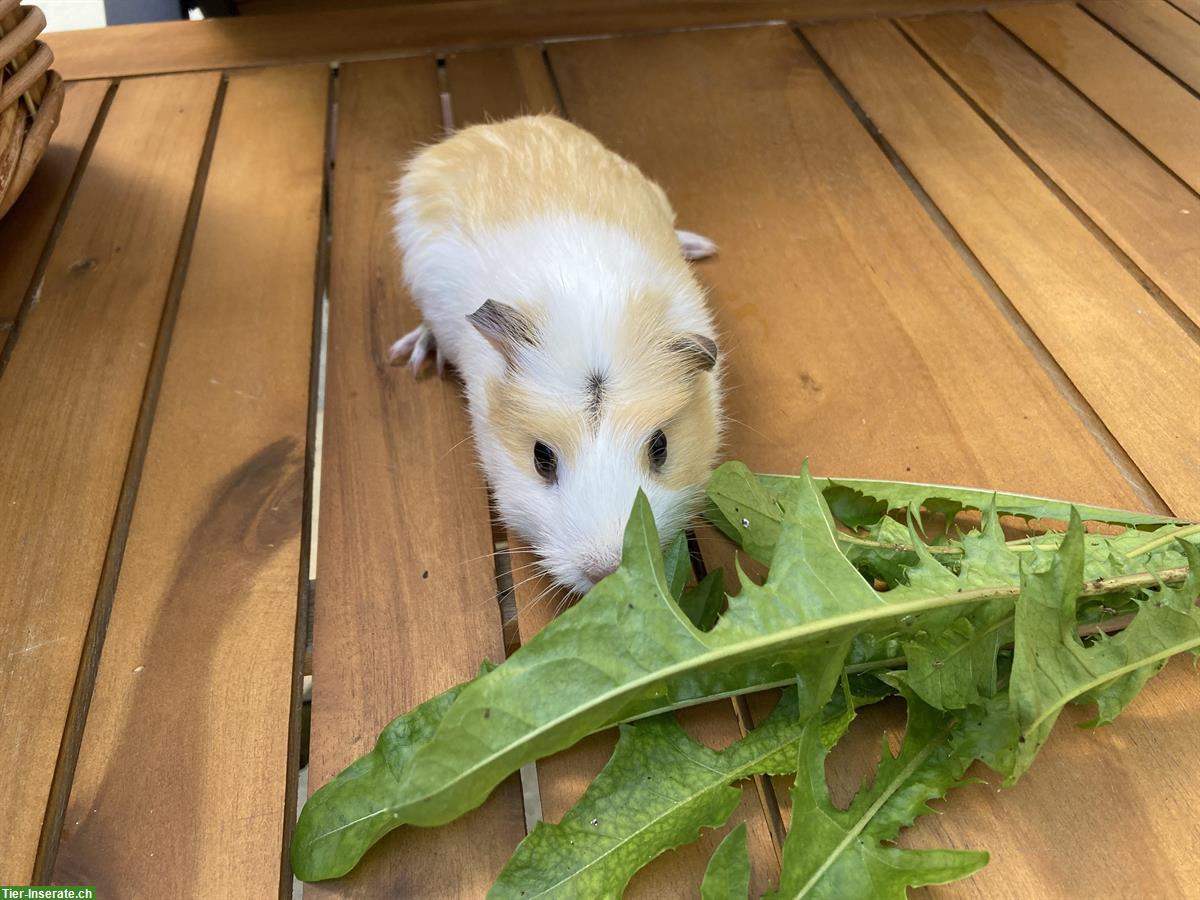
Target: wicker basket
{"type": "Point", "coordinates": [31, 97]}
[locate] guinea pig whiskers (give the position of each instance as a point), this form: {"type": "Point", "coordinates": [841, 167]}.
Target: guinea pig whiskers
{"type": "Point", "coordinates": [750, 428]}
{"type": "Point", "coordinates": [534, 577]}
{"type": "Point", "coordinates": [542, 595]}
{"type": "Point", "coordinates": [458, 444]}
{"type": "Point", "coordinates": [538, 571]}
{"type": "Point", "coordinates": [474, 559]}
{"type": "Point", "coordinates": [565, 601]}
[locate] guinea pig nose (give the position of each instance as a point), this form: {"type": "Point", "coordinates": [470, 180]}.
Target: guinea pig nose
{"type": "Point", "coordinates": [597, 571]}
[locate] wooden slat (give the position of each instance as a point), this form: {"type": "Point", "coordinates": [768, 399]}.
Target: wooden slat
{"type": "Point", "coordinates": [1132, 362]}
{"type": "Point", "coordinates": [1147, 212]}
{"type": "Point", "coordinates": [70, 396]}
{"type": "Point", "coordinates": [26, 227]}
{"type": "Point", "coordinates": [181, 775]}
{"type": "Point", "coordinates": [396, 29]}
{"type": "Point", "coordinates": [406, 596]}
{"type": "Point", "coordinates": [495, 84]}
{"type": "Point", "coordinates": [1147, 103]}
{"type": "Point", "coordinates": [1159, 30]}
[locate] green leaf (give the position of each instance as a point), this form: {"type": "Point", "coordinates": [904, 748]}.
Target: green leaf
{"type": "Point", "coordinates": [951, 653]}
{"type": "Point", "coordinates": [900, 495]}
{"type": "Point", "coordinates": [658, 790]}
{"type": "Point", "coordinates": [702, 603]}
{"type": "Point", "coordinates": [677, 565]}
{"type": "Point", "coordinates": [854, 508]}
{"type": "Point", "coordinates": [728, 874]}
{"type": "Point", "coordinates": [1052, 667]}
{"type": "Point", "coordinates": [346, 815]}
{"type": "Point", "coordinates": [886, 552]}
{"type": "Point", "coordinates": [624, 650]}
{"type": "Point", "coordinates": [832, 853]}
{"type": "Point", "coordinates": [744, 510]}
{"type": "Point", "coordinates": [951, 656]}
{"type": "Point", "coordinates": [748, 508]}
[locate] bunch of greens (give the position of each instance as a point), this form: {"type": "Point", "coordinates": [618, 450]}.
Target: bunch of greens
{"type": "Point", "coordinates": [986, 639]}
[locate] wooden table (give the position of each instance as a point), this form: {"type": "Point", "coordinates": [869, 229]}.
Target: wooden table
{"type": "Point", "coordinates": [963, 248]}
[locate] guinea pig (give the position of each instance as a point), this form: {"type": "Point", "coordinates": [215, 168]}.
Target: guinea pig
{"type": "Point", "coordinates": [549, 274]}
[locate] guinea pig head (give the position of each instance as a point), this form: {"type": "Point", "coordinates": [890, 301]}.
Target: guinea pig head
{"type": "Point", "coordinates": [579, 422]}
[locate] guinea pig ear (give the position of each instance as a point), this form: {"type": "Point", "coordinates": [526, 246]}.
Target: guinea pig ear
{"type": "Point", "coordinates": [698, 351]}
{"type": "Point", "coordinates": [503, 326]}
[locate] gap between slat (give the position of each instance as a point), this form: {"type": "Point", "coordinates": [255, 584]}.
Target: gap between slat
{"type": "Point", "coordinates": [1145, 54]}
{"type": "Point", "coordinates": [33, 292]}
{"type": "Point", "coordinates": [93, 645]}
{"type": "Point", "coordinates": [1177, 7]}
{"type": "Point", "coordinates": [1142, 277]}
{"type": "Point", "coordinates": [1129, 470]}
{"type": "Point", "coordinates": [1089, 101]}
{"type": "Point", "coordinates": [306, 585]}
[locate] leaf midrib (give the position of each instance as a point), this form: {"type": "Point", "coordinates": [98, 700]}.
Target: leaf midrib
{"type": "Point", "coordinates": [1174, 649]}
{"type": "Point", "coordinates": [736, 774]}
{"type": "Point", "coordinates": [865, 819]}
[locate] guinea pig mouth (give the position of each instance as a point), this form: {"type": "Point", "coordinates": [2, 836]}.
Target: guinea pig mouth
{"type": "Point", "coordinates": [595, 572]}
{"type": "Point", "coordinates": [581, 579]}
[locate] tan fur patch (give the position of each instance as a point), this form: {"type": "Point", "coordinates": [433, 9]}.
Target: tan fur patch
{"type": "Point", "coordinates": [521, 417]}
{"type": "Point", "coordinates": [687, 415]}
{"type": "Point", "coordinates": [502, 173]}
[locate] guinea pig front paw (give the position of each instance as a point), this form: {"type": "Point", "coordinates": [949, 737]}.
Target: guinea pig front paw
{"type": "Point", "coordinates": [416, 347]}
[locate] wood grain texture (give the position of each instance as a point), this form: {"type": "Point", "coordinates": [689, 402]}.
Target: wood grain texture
{"type": "Point", "coordinates": [26, 227]}
{"type": "Point", "coordinates": [181, 774]}
{"type": "Point", "coordinates": [1138, 204]}
{"type": "Point", "coordinates": [406, 596]}
{"type": "Point", "coordinates": [1119, 347]}
{"type": "Point", "coordinates": [1147, 103]}
{"type": "Point", "coordinates": [406, 28]}
{"type": "Point", "coordinates": [70, 396]}
{"type": "Point", "coordinates": [496, 84]}
{"type": "Point", "coordinates": [1159, 30]}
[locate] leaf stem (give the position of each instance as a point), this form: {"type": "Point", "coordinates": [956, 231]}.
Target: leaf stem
{"type": "Point", "coordinates": [935, 549]}
{"type": "Point", "coordinates": [1163, 539]}
{"type": "Point", "coordinates": [1020, 545]}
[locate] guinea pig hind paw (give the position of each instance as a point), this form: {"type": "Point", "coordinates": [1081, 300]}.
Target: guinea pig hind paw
{"type": "Point", "coordinates": [414, 348]}
{"type": "Point", "coordinates": [695, 246]}
{"type": "Point", "coordinates": [425, 345]}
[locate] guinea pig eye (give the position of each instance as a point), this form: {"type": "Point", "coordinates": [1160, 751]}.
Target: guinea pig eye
{"type": "Point", "coordinates": [545, 462]}
{"type": "Point", "coordinates": [657, 450]}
